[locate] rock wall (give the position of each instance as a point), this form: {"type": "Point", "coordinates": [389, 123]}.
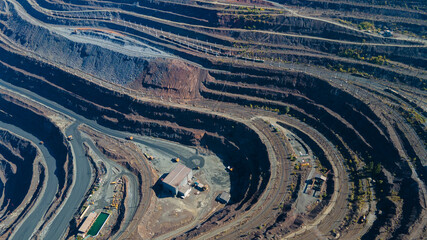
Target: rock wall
{"type": "Point", "coordinates": [17, 157]}
{"type": "Point", "coordinates": [89, 58]}
{"type": "Point", "coordinates": [298, 25]}
{"type": "Point", "coordinates": [122, 112]}
{"type": "Point", "coordinates": [19, 114]}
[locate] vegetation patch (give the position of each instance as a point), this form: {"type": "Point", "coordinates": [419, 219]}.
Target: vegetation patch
{"type": "Point", "coordinates": [360, 55]}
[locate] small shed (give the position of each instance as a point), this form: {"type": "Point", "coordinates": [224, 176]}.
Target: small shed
{"type": "Point", "coordinates": [224, 197]}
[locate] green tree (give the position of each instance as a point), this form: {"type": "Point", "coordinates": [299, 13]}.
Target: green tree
{"type": "Point", "coordinates": [377, 169]}
{"type": "Point", "coordinates": [366, 26]}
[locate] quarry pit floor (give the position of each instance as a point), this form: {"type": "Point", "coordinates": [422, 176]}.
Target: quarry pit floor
{"type": "Point", "coordinates": [169, 212]}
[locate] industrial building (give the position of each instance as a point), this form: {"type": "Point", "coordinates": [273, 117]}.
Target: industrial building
{"type": "Point", "coordinates": [224, 197]}
{"type": "Point", "coordinates": [177, 181]}
{"type": "Point", "coordinates": [318, 182]}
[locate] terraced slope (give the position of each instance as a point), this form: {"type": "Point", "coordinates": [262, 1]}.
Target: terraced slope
{"type": "Point", "coordinates": [218, 75]}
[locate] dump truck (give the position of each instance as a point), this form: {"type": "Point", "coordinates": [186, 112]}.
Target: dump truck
{"type": "Point", "coordinates": [41, 142]}
{"type": "Point", "coordinates": [149, 157]}
{"type": "Point", "coordinates": [70, 137]}
{"type": "Point", "coordinates": [129, 137]}
{"type": "Point", "coordinates": [176, 160]}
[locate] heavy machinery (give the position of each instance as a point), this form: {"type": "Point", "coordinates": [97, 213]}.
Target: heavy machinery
{"type": "Point", "coordinates": [149, 157]}
{"type": "Point", "coordinates": [200, 187]}
{"type": "Point", "coordinates": [362, 218]}
{"type": "Point", "coordinates": [70, 137]}
{"type": "Point", "coordinates": [129, 137]}
{"type": "Point", "coordinates": [306, 164]}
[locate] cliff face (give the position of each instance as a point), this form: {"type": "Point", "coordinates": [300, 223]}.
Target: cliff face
{"type": "Point", "coordinates": [115, 110]}
{"type": "Point", "coordinates": [109, 56]}
{"type": "Point", "coordinates": [296, 25]}
{"type": "Point", "coordinates": [18, 113]}
{"type": "Point", "coordinates": [93, 54]}
{"type": "Point", "coordinates": [17, 156]}
{"type": "Point", "coordinates": [21, 178]}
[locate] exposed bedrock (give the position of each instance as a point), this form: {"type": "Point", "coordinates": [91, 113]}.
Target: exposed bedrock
{"type": "Point", "coordinates": [299, 25]}
{"type": "Point", "coordinates": [345, 120]}
{"type": "Point", "coordinates": [88, 58]}
{"type": "Point", "coordinates": [332, 112]}
{"type": "Point", "coordinates": [126, 17]}
{"type": "Point", "coordinates": [198, 15]}
{"type": "Point", "coordinates": [17, 156]}
{"type": "Point", "coordinates": [409, 55]}
{"type": "Point", "coordinates": [22, 176]}
{"type": "Point", "coordinates": [380, 72]}
{"type": "Point", "coordinates": [33, 121]}
{"type": "Point", "coordinates": [165, 76]}
{"type": "Point", "coordinates": [170, 77]}
{"type": "Point", "coordinates": [367, 6]}
{"type": "Point", "coordinates": [169, 10]}
{"type": "Point", "coordinates": [364, 130]}
{"type": "Point", "coordinates": [122, 112]}
{"type": "Point", "coordinates": [416, 26]}
{"type": "Point", "coordinates": [411, 207]}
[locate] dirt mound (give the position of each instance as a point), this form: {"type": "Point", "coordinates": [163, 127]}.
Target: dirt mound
{"type": "Point", "coordinates": [171, 78]}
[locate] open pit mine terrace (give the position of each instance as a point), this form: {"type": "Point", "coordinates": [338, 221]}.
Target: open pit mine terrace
{"type": "Point", "coordinates": [228, 119]}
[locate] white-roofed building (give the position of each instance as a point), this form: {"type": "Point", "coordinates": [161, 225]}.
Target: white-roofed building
{"type": "Point", "coordinates": [177, 181]}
